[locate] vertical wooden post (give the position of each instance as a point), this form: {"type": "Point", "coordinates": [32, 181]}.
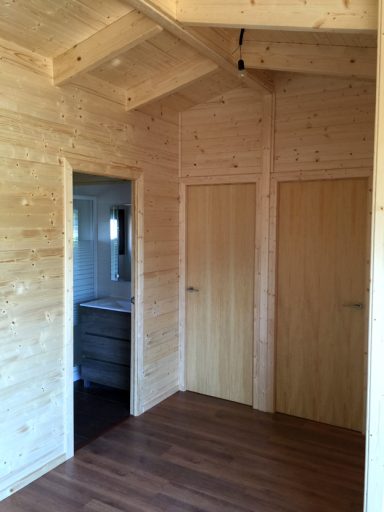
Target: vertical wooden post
{"type": "Point", "coordinates": [137, 362]}
{"type": "Point", "coordinates": [264, 352]}
{"type": "Point", "coordinates": [182, 286]}
{"type": "Point", "coordinates": [68, 323]}
{"type": "Point", "coordinates": [374, 495]}
{"type": "Point", "coordinates": [182, 267]}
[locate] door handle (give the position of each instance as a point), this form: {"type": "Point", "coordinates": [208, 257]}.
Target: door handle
{"type": "Point", "coordinates": [357, 305]}
{"type": "Point", "coordinates": [191, 289]}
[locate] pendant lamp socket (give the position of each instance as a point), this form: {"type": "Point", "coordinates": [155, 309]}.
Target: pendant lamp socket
{"type": "Point", "coordinates": [241, 68]}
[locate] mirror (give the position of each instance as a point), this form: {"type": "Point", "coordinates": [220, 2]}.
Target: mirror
{"type": "Point", "coordinates": [121, 249]}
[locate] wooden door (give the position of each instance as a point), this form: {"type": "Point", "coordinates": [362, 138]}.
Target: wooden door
{"type": "Point", "coordinates": [220, 265]}
{"type": "Point", "coordinates": [321, 276]}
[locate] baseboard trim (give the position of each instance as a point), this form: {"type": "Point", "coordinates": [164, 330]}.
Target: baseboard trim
{"type": "Point", "coordinates": [21, 481]}
{"type": "Point", "coordinates": [157, 400]}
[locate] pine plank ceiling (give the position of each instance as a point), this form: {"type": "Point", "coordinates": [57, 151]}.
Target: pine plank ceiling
{"type": "Point", "coordinates": [50, 27]}
{"type": "Point", "coordinates": [201, 65]}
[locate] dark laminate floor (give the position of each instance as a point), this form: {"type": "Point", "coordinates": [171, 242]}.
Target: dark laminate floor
{"type": "Point", "coordinates": [97, 409]}
{"type": "Point", "coordinates": [195, 453]}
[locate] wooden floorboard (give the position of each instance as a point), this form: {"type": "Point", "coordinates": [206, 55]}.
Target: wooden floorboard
{"type": "Point", "coordinates": [201, 454]}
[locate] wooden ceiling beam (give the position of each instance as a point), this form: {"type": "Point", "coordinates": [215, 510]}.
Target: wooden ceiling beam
{"type": "Point", "coordinates": [326, 15]}
{"type": "Point", "coordinates": [127, 32]}
{"type": "Point", "coordinates": [208, 44]}
{"type": "Point", "coordinates": [100, 88]}
{"type": "Point", "coordinates": [345, 61]}
{"type": "Point", "coordinates": [170, 82]}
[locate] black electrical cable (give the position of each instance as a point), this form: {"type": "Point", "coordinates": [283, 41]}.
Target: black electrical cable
{"type": "Point", "coordinates": [240, 62]}
{"type": "Point", "coordinates": [241, 36]}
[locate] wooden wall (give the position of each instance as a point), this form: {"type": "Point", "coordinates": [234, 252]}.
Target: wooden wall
{"type": "Point", "coordinates": [32, 317]}
{"type": "Point", "coordinates": [323, 128]}
{"type": "Point", "coordinates": [223, 136]}
{"type": "Point", "coordinates": [41, 124]}
{"type": "Point", "coordinates": [161, 260]}
{"type": "Point", "coordinates": [222, 142]}
{"type": "Point", "coordinates": [323, 123]}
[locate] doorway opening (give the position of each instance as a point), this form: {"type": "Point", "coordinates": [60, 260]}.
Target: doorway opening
{"type": "Point", "coordinates": [103, 294]}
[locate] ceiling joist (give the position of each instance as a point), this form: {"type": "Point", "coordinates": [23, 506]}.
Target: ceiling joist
{"type": "Point", "coordinates": [210, 46]}
{"type": "Point", "coordinates": [118, 37]}
{"type": "Point", "coordinates": [315, 59]}
{"type": "Point", "coordinates": [168, 83]}
{"type": "Point", "coordinates": [326, 15]}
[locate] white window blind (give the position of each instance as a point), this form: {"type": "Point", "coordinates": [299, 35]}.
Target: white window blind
{"type": "Point", "coordinates": [84, 283]}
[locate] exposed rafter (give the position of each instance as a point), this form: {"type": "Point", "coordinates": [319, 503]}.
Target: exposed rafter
{"type": "Point", "coordinates": [327, 15]}
{"type": "Point", "coordinates": [167, 83]}
{"type": "Point", "coordinates": [308, 58]}
{"type": "Point", "coordinates": [209, 46]}
{"type": "Point", "coordinates": [122, 35]}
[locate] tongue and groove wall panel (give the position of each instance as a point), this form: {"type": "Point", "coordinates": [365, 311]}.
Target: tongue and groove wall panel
{"type": "Point", "coordinates": [40, 126]}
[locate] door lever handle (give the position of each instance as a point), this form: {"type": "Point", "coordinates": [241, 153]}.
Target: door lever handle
{"type": "Point", "coordinates": [357, 305]}
{"type": "Point", "coordinates": [192, 289]}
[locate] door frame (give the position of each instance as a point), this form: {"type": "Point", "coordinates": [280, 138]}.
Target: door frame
{"type": "Point", "coordinates": [260, 174]}
{"type": "Point", "coordinates": [137, 332]}
{"type": "Point", "coordinates": [277, 178]}
{"type": "Point", "coordinates": [215, 180]}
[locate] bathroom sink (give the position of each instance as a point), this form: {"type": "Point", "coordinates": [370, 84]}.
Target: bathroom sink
{"type": "Point", "coordinates": [110, 303]}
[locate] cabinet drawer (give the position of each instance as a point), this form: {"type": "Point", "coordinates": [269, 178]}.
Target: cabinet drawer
{"type": "Point", "coordinates": [112, 324]}
{"type": "Point", "coordinates": [108, 374]}
{"type": "Point", "coordinates": [106, 349]}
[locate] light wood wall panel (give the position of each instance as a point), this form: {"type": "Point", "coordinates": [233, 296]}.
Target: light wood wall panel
{"type": "Point", "coordinates": [323, 123]}
{"type": "Point", "coordinates": [223, 136]}
{"type": "Point", "coordinates": [323, 128]}
{"type": "Point", "coordinates": [161, 295]}
{"type": "Point", "coordinates": [31, 323]}
{"type": "Point", "coordinates": [41, 124]}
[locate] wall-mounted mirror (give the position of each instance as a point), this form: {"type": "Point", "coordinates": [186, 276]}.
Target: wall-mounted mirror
{"type": "Point", "coordinates": [121, 247]}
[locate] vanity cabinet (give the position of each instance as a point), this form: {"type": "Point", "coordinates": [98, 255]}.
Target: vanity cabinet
{"type": "Point", "coordinates": [106, 346]}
